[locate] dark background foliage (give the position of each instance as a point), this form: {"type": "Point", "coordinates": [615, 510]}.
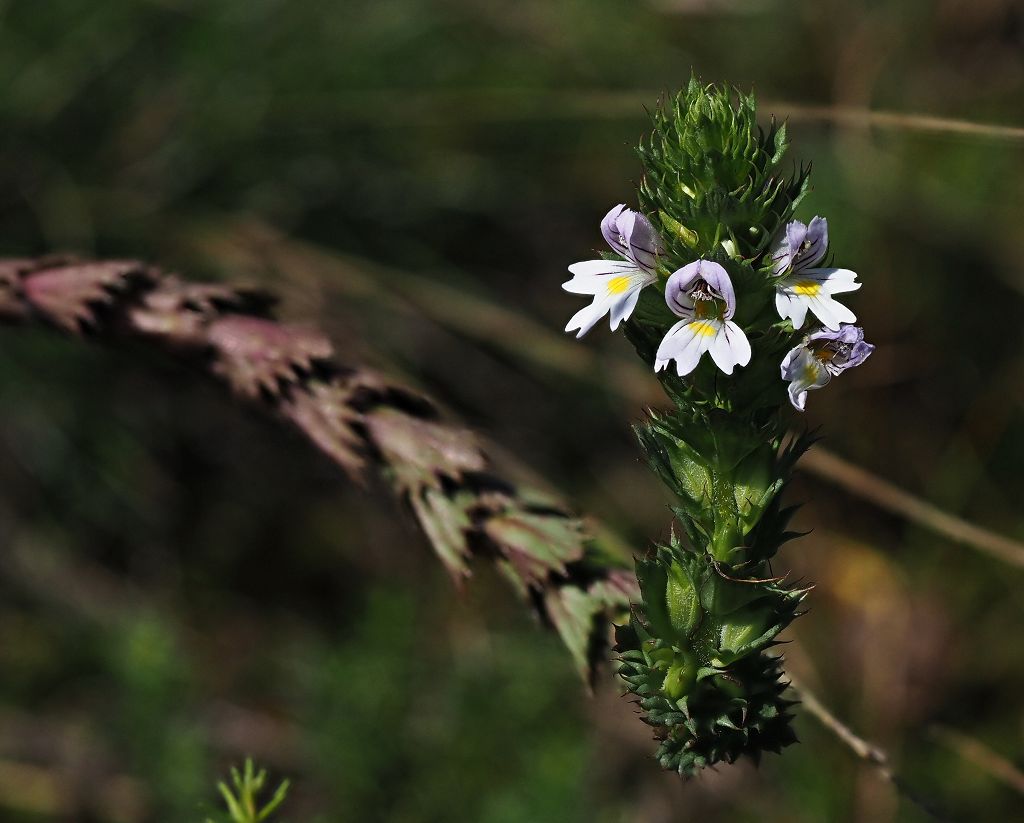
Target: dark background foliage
{"type": "Point", "coordinates": [182, 583]}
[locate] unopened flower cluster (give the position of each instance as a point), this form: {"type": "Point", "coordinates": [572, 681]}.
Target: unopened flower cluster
{"type": "Point", "coordinates": [701, 294]}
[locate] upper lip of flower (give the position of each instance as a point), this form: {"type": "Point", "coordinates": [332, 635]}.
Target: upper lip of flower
{"type": "Point", "coordinates": [839, 350]}
{"type": "Point", "coordinates": [701, 281]}
{"type": "Point", "coordinates": [803, 245]}
{"type": "Point", "coordinates": [631, 234]}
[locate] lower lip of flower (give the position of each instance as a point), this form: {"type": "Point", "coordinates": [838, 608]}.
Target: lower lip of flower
{"type": "Point", "coordinates": [807, 288]}
{"type": "Point", "coordinates": [617, 285]}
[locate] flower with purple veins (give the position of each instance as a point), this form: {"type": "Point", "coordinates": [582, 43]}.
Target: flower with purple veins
{"type": "Point", "coordinates": [616, 284]}
{"type": "Point", "coordinates": [702, 294]}
{"type": "Point", "coordinates": [823, 355]}
{"type": "Point", "coordinates": [808, 286]}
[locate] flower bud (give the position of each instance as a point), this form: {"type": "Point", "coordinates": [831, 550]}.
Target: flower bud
{"type": "Point", "coordinates": [681, 597]}
{"type": "Point", "coordinates": [681, 676]}
{"type": "Point", "coordinates": [671, 604]}
{"type": "Point", "coordinates": [743, 627]}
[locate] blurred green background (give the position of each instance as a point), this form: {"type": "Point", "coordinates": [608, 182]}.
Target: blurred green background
{"type": "Point", "coordinates": [182, 583]}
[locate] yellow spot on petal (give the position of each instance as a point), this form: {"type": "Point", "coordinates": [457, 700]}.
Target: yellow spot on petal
{"type": "Point", "coordinates": [806, 288]}
{"type": "Point", "coordinates": [702, 328]}
{"type": "Point", "coordinates": [617, 285]}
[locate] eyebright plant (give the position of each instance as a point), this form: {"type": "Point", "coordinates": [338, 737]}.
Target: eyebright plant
{"type": "Point", "coordinates": [714, 263]}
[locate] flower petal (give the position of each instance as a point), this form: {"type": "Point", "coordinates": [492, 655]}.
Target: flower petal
{"type": "Point", "coordinates": [623, 308]}
{"type": "Point", "coordinates": [784, 254]}
{"type": "Point", "coordinates": [861, 352]}
{"type": "Point", "coordinates": [642, 240]}
{"type": "Point", "coordinates": [787, 361]}
{"type": "Point", "coordinates": [830, 312]}
{"type": "Point", "coordinates": [587, 317]}
{"type": "Point", "coordinates": [612, 232]}
{"type": "Point", "coordinates": [797, 396]}
{"type": "Point", "coordinates": [801, 245]}
{"type": "Point", "coordinates": [730, 348]}
{"type": "Point", "coordinates": [796, 232]}
{"type": "Point", "coordinates": [614, 293]}
{"type": "Point", "coordinates": [851, 351]}
{"type": "Point", "coordinates": [677, 289]}
{"type": "Point", "coordinates": [682, 278]}
{"type": "Point", "coordinates": [791, 307]}
{"type": "Point", "coordinates": [804, 372]}
{"type": "Point", "coordinates": [718, 278]}
{"type": "Point", "coordinates": [681, 281]}
{"type": "Point", "coordinates": [833, 281]}
{"type": "Point", "coordinates": [685, 342]}
{"type": "Point", "coordinates": [591, 276]}
{"type": "Point", "coordinates": [817, 243]}
{"type": "Point", "coordinates": [812, 289]}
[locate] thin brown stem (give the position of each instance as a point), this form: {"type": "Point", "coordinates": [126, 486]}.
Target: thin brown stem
{"type": "Point", "coordinates": [890, 497]}
{"type": "Point", "coordinates": [976, 752]}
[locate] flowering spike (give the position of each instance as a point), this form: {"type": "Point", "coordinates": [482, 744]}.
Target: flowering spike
{"type": "Point", "coordinates": [720, 239]}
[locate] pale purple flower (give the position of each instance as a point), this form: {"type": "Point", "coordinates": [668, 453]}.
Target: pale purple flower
{"type": "Point", "coordinates": [805, 285]}
{"type": "Point", "coordinates": [702, 294]}
{"type": "Point", "coordinates": [616, 284]}
{"type": "Point", "coordinates": [823, 355]}
{"type": "Point", "coordinates": [801, 245]}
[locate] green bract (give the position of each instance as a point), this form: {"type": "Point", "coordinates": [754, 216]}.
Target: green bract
{"type": "Point", "coordinates": [712, 175]}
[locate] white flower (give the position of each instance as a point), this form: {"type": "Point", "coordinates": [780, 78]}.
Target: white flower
{"type": "Point", "coordinates": [702, 294]}
{"type": "Point", "coordinates": [806, 286]}
{"type": "Point", "coordinates": [616, 284]}
{"type": "Point", "coordinates": [820, 357]}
